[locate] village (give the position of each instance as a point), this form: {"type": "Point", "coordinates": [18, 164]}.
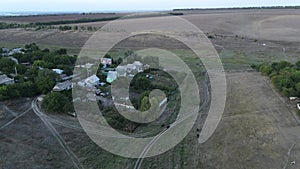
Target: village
{"type": "Point", "coordinates": [44, 78]}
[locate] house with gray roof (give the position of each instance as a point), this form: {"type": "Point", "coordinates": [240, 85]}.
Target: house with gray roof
{"type": "Point", "coordinates": [4, 80]}
{"type": "Point", "coordinates": [67, 85]}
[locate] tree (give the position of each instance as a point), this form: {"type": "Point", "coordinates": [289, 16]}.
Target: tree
{"type": "Point", "coordinates": [61, 51]}
{"type": "Point", "coordinates": [46, 50]}
{"type": "Point", "coordinates": [7, 65]}
{"type": "Point", "coordinates": [297, 86]}
{"type": "Point", "coordinates": [141, 82]}
{"type": "Point", "coordinates": [40, 63]}
{"type": "Point", "coordinates": [145, 104]}
{"type": "Point", "coordinates": [56, 102]}
{"type": "Point", "coordinates": [298, 65]}
{"type": "Point", "coordinates": [21, 69]}
{"type": "Point", "coordinates": [45, 80]}
{"type": "Point", "coordinates": [3, 92]}
{"type": "Point", "coordinates": [265, 69]}
{"type": "Point", "coordinates": [277, 66]}
{"type": "Point", "coordinates": [32, 47]}
{"type": "Point", "coordinates": [32, 73]}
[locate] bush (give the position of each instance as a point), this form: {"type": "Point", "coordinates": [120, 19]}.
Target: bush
{"type": "Point", "coordinates": [56, 102]}
{"type": "Point", "coordinates": [12, 91]}
{"type": "Point", "coordinates": [284, 75]}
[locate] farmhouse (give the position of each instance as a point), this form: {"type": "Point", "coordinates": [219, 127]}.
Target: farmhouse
{"type": "Point", "coordinates": [130, 69]}
{"type": "Point", "coordinates": [4, 80]}
{"type": "Point", "coordinates": [106, 61]}
{"type": "Point", "coordinates": [67, 85]}
{"type": "Point", "coordinates": [89, 82]}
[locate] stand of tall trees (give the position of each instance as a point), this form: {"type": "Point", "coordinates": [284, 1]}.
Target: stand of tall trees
{"type": "Point", "coordinates": [284, 75]}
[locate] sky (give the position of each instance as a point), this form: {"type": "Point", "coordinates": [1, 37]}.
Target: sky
{"type": "Point", "coordinates": [129, 5]}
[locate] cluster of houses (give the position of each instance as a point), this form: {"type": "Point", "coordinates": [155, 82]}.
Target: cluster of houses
{"type": "Point", "coordinates": [128, 70]}
{"type": "Point", "coordinates": [111, 74]}
{"type": "Point", "coordinates": [10, 52]}
{"type": "Point", "coordinates": [4, 79]}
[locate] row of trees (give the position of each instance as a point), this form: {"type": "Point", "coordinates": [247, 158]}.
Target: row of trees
{"type": "Point", "coordinates": [284, 75]}
{"type": "Point", "coordinates": [83, 20]}
{"type": "Point", "coordinates": [4, 25]}
{"type": "Point", "coordinates": [258, 7]}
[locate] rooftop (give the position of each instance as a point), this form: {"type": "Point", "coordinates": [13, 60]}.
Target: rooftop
{"type": "Point", "coordinates": [4, 79]}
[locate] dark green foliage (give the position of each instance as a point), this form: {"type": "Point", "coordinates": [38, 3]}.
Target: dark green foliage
{"type": "Point", "coordinates": [4, 25]}
{"type": "Point", "coordinates": [176, 13]}
{"type": "Point", "coordinates": [57, 102]}
{"type": "Point", "coordinates": [45, 80]}
{"type": "Point", "coordinates": [265, 69]}
{"type": "Point", "coordinates": [37, 78]}
{"type": "Point", "coordinates": [65, 28]}
{"type": "Point", "coordinates": [298, 65]}
{"type": "Point", "coordinates": [32, 47]}
{"type": "Point", "coordinates": [61, 51]}
{"type": "Point", "coordinates": [21, 69]}
{"type": "Point", "coordinates": [84, 20]}
{"type": "Point", "coordinates": [141, 83]}
{"type": "Point", "coordinates": [117, 121]}
{"type": "Point", "coordinates": [277, 66]}
{"type": "Point", "coordinates": [284, 75]}
{"type": "Point", "coordinates": [26, 89]}
{"type": "Point", "coordinates": [7, 65]}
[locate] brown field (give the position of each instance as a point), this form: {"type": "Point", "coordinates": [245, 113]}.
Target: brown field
{"type": "Point", "coordinates": [259, 128]}
{"type": "Point", "coordinates": [277, 25]}
{"type": "Point", "coordinates": [47, 18]}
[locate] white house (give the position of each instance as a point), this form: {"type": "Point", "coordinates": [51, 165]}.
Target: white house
{"type": "Point", "coordinates": [4, 80]}
{"type": "Point", "coordinates": [58, 71]}
{"type": "Point", "coordinates": [106, 61]}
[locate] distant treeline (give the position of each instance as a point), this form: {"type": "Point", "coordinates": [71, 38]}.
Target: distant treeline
{"type": "Point", "coordinates": [58, 14]}
{"type": "Point", "coordinates": [176, 13]}
{"type": "Point", "coordinates": [262, 7]}
{"type": "Point", "coordinates": [84, 20]}
{"type": "Point", "coordinates": [4, 25]}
